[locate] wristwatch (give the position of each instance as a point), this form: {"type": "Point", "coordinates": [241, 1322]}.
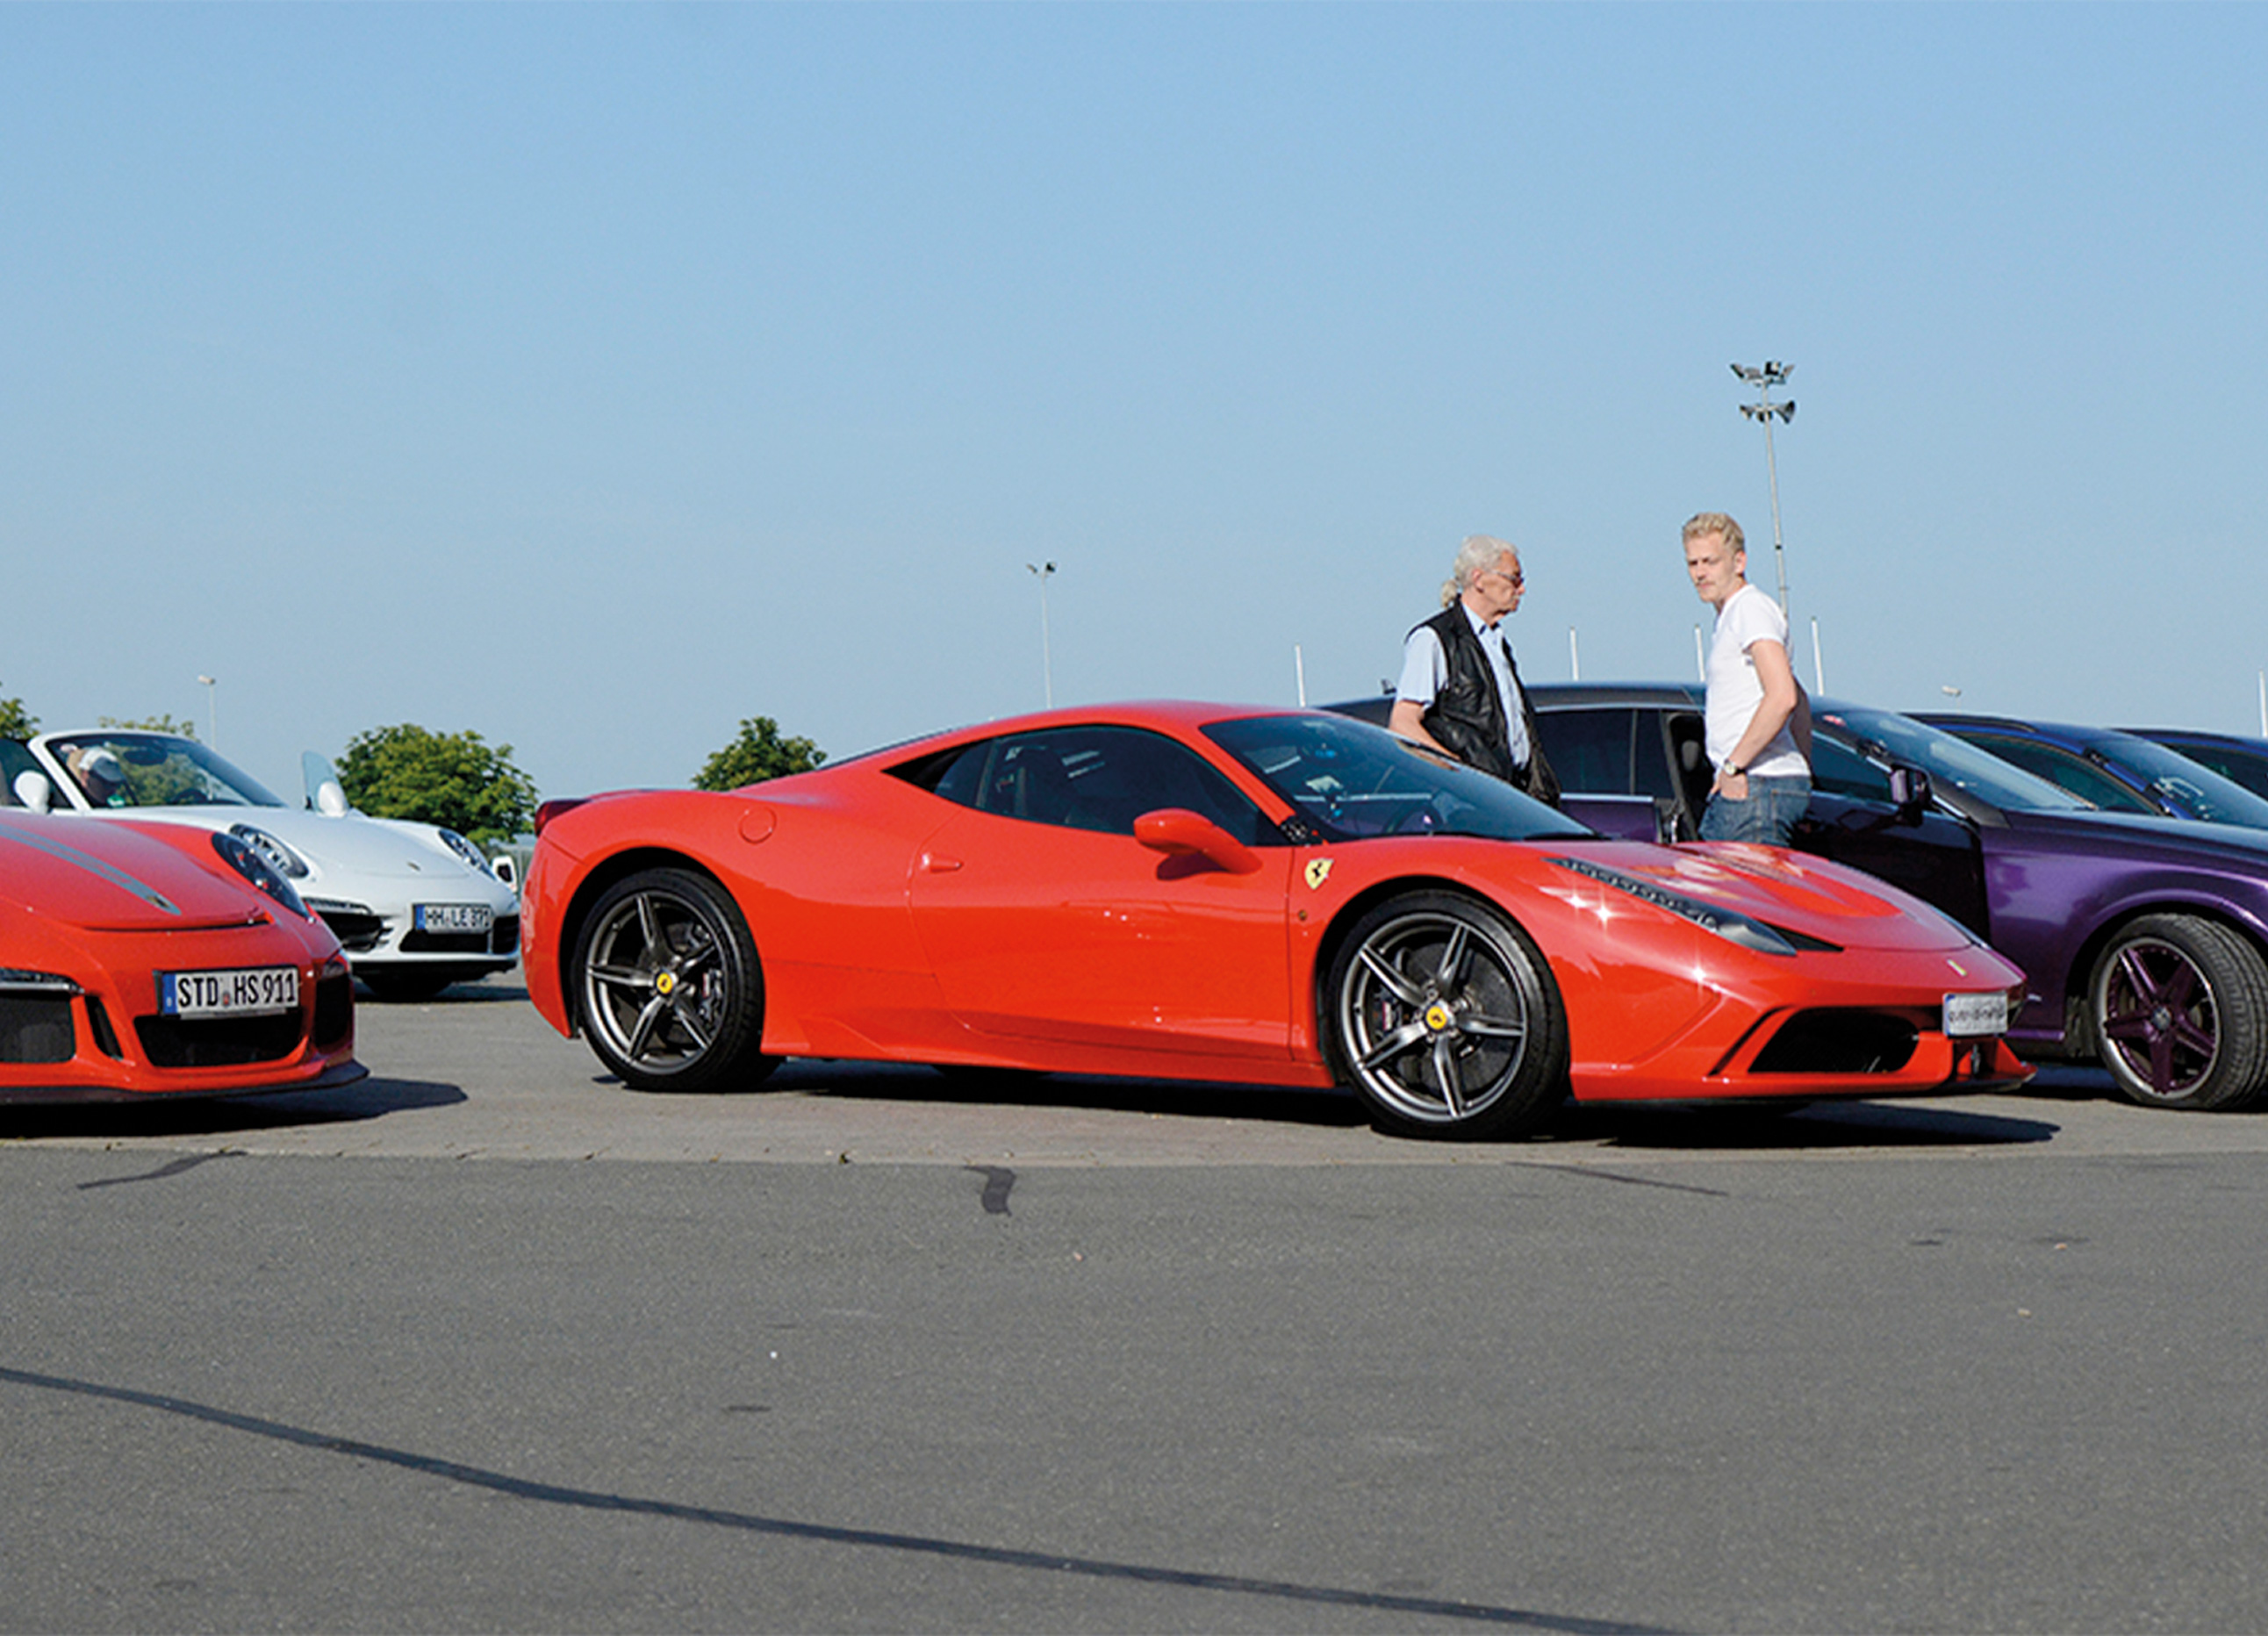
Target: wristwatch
{"type": "Point", "coordinates": [1731, 770]}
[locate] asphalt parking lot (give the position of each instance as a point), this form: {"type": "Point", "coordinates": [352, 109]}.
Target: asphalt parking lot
{"type": "Point", "coordinates": [487, 1343]}
{"type": "Point", "coordinates": [477, 1074]}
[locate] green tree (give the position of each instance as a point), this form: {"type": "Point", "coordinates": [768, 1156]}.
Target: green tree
{"type": "Point", "coordinates": [150, 724]}
{"type": "Point", "coordinates": [758, 753]}
{"type": "Point", "coordinates": [16, 722]}
{"type": "Point", "coordinates": [452, 779]}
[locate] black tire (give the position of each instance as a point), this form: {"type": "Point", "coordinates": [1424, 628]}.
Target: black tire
{"type": "Point", "coordinates": [1442, 1015]}
{"type": "Point", "coordinates": [401, 984]}
{"type": "Point", "coordinates": [667, 987]}
{"type": "Point", "coordinates": [2179, 1010]}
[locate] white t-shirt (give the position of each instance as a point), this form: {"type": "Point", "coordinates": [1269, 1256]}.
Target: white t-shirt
{"type": "Point", "coordinates": [1425, 668]}
{"type": "Point", "coordinates": [1748, 617]}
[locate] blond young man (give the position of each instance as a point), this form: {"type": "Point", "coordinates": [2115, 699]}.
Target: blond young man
{"type": "Point", "coordinates": [1754, 717]}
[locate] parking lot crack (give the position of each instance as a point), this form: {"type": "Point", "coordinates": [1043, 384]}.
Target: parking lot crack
{"type": "Point", "coordinates": [821, 1533]}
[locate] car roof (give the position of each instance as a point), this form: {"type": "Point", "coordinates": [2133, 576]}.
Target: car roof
{"type": "Point", "coordinates": [1581, 693]}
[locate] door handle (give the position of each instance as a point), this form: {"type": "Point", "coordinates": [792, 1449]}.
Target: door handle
{"type": "Point", "coordinates": [938, 863]}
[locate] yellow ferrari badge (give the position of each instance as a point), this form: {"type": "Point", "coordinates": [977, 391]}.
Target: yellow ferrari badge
{"type": "Point", "coordinates": [1319, 870]}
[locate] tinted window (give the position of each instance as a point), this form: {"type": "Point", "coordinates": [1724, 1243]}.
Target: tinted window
{"type": "Point", "coordinates": [1947, 760]}
{"type": "Point", "coordinates": [2183, 778]}
{"type": "Point", "coordinates": [1099, 778]}
{"type": "Point", "coordinates": [1349, 780]}
{"type": "Point", "coordinates": [2242, 766]}
{"type": "Point", "coordinates": [2061, 767]}
{"type": "Point", "coordinates": [1838, 769]}
{"type": "Point", "coordinates": [1590, 750]}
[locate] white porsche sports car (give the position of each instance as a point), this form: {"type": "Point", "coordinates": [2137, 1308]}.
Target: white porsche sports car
{"type": "Point", "coordinates": [416, 907]}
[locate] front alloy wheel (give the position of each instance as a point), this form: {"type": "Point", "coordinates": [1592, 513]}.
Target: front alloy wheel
{"type": "Point", "coordinates": [670, 993]}
{"type": "Point", "coordinates": [1443, 1014]}
{"type": "Point", "coordinates": [2180, 1010]}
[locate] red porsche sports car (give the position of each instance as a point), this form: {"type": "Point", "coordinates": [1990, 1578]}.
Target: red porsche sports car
{"type": "Point", "coordinates": [145, 960]}
{"type": "Point", "coordinates": [1195, 891]}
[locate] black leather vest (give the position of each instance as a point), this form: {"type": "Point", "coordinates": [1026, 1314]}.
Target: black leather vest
{"type": "Point", "coordinates": [1467, 714]}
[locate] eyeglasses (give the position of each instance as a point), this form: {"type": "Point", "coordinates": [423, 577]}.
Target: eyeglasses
{"type": "Point", "coordinates": [1515, 580]}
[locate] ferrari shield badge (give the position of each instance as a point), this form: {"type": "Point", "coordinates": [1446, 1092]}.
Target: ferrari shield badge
{"type": "Point", "coordinates": [1319, 870]}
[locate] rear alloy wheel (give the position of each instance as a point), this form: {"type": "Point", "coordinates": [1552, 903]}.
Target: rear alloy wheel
{"type": "Point", "coordinates": [1443, 1015]}
{"type": "Point", "coordinates": [2180, 1011]}
{"type": "Point", "coordinates": [668, 984]}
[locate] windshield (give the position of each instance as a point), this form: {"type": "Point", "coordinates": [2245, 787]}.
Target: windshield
{"type": "Point", "coordinates": [123, 768]}
{"type": "Point", "coordinates": [1352, 780]}
{"type": "Point", "coordinates": [2204, 791]}
{"type": "Point", "coordinates": [1947, 760]}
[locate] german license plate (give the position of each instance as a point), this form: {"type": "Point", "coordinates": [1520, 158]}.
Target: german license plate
{"type": "Point", "coordinates": [452, 917]}
{"type": "Point", "coordinates": [1967, 1016]}
{"type": "Point", "coordinates": [258, 990]}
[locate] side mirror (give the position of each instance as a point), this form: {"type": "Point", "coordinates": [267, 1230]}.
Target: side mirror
{"type": "Point", "coordinates": [325, 793]}
{"type": "Point", "coordinates": [1178, 832]}
{"type": "Point", "coordinates": [1910, 792]}
{"type": "Point", "coordinates": [34, 790]}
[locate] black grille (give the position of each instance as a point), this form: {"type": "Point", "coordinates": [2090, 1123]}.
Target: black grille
{"type": "Point", "coordinates": [217, 1042]}
{"type": "Point", "coordinates": [358, 930]}
{"type": "Point", "coordinates": [1840, 1041]}
{"type": "Point", "coordinates": [501, 938]}
{"type": "Point", "coordinates": [36, 1028]}
{"type": "Point", "coordinates": [106, 1037]}
{"type": "Point", "coordinates": [334, 1009]}
{"type": "Point", "coordinates": [416, 942]}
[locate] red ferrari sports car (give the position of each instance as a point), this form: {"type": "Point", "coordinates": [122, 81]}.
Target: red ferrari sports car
{"type": "Point", "coordinates": [145, 959]}
{"type": "Point", "coordinates": [1194, 892]}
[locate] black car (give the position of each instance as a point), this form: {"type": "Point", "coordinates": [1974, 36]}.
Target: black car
{"type": "Point", "coordinates": [2144, 939]}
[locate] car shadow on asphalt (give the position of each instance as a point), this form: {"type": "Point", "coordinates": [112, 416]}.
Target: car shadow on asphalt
{"type": "Point", "coordinates": [220, 1115]}
{"type": "Point", "coordinates": [1721, 1127]}
{"type": "Point", "coordinates": [1738, 1127]}
{"type": "Point", "coordinates": [487, 991]}
{"type": "Point", "coordinates": [1011, 1087]}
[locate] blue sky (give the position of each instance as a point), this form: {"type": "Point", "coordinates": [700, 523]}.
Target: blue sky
{"type": "Point", "coordinates": [596, 377]}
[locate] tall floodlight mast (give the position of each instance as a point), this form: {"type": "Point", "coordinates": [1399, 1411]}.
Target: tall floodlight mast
{"type": "Point", "coordinates": [1764, 408]}
{"type": "Point", "coordinates": [1043, 572]}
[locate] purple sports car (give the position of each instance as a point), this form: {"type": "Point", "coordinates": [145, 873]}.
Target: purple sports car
{"type": "Point", "coordinates": [2145, 938]}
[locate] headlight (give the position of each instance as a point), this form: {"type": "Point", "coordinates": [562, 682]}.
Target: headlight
{"type": "Point", "coordinates": [15, 981]}
{"type": "Point", "coordinates": [466, 851]}
{"type": "Point", "coordinates": [248, 863]}
{"type": "Point", "coordinates": [1730, 924]}
{"type": "Point", "coordinates": [278, 857]}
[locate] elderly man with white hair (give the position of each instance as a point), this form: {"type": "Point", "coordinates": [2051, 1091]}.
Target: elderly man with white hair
{"type": "Point", "coordinates": [1459, 691]}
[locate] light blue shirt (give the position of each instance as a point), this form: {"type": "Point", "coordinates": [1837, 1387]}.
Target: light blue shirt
{"type": "Point", "coordinates": [1425, 668]}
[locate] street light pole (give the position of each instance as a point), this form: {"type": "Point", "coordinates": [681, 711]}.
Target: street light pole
{"type": "Point", "coordinates": [1043, 572]}
{"type": "Point", "coordinates": [1764, 408]}
{"type": "Point", "coordinates": [212, 709]}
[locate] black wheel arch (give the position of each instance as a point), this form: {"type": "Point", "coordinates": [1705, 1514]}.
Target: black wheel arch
{"type": "Point", "coordinates": [593, 886]}
{"type": "Point", "coordinates": [1345, 918]}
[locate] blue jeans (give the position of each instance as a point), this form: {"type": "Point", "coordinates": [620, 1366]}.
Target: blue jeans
{"type": "Point", "coordinates": [1768, 816]}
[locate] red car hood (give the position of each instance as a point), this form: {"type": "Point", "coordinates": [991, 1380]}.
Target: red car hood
{"type": "Point", "coordinates": [109, 878]}
{"type": "Point", "coordinates": [1790, 890]}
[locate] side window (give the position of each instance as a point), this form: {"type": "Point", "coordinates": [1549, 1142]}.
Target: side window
{"type": "Point", "coordinates": [2072, 772]}
{"type": "Point", "coordinates": [1098, 778]}
{"type": "Point", "coordinates": [2247, 770]}
{"type": "Point", "coordinates": [1838, 769]}
{"type": "Point", "coordinates": [1590, 750]}
{"type": "Point", "coordinates": [1688, 775]}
